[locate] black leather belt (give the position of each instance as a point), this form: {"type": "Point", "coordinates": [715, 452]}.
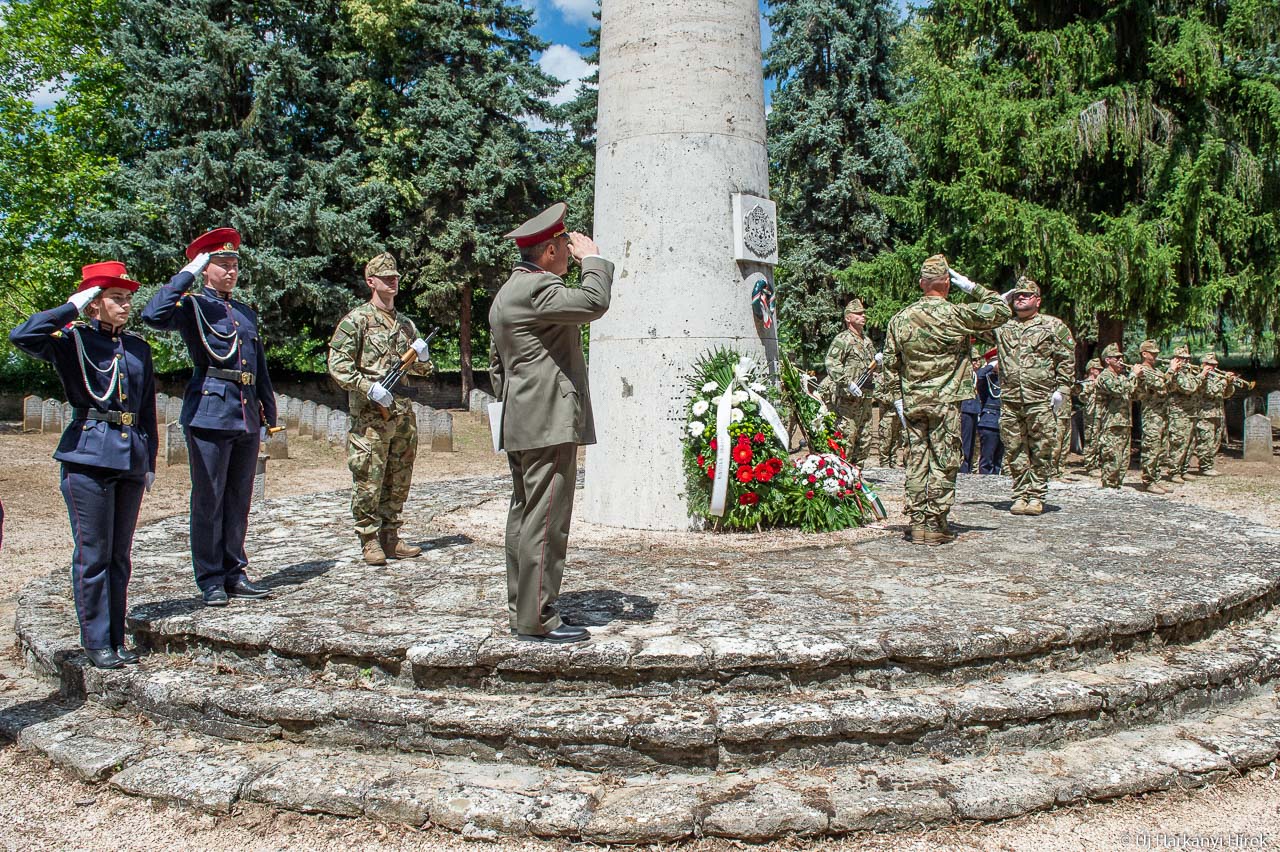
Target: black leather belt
{"type": "Point", "coordinates": [122, 418]}
{"type": "Point", "coordinates": [240, 378]}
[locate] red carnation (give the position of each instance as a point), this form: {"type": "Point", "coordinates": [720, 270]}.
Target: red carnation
{"type": "Point", "coordinates": [742, 454]}
{"type": "Point", "coordinates": [857, 485]}
{"type": "Point", "coordinates": [745, 474]}
{"type": "Point", "coordinates": [763, 472]}
{"type": "Point", "coordinates": [712, 444]}
{"type": "Point", "coordinates": [808, 495]}
{"type": "Point", "coordinates": [748, 499]}
{"type": "Point", "coordinates": [758, 437]}
{"type": "Point", "coordinates": [711, 471]}
{"type": "Point", "coordinates": [831, 471]}
{"type": "Point", "coordinates": [838, 434]}
{"type": "Point", "coordinates": [775, 464]}
{"type": "Point", "coordinates": [813, 478]}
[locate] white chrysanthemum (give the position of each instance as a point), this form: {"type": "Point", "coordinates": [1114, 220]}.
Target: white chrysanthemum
{"type": "Point", "coordinates": [696, 428]}
{"type": "Point", "coordinates": [757, 387]}
{"type": "Point", "coordinates": [739, 397]}
{"type": "Point", "coordinates": [700, 408]}
{"type": "Point", "coordinates": [709, 387]}
{"type": "Point", "coordinates": [830, 486]}
{"type": "Point", "coordinates": [715, 400]}
{"type": "Point", "coordinates": [736, 415]}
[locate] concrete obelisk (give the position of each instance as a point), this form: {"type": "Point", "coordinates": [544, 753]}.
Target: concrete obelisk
{"type": "Point", "coordinates": [681, 132]}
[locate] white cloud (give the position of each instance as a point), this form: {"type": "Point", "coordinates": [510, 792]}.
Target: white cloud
{"type": "Point", "coordinates": [49, 93]}
{"type": "Point", "coordinates": [567, 65]}
{"type": "Point", "coordinates": [577, 11]}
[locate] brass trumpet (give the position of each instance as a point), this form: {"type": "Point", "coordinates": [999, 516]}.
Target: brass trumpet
{"type": "Point", "coordinates": [1232, 377]}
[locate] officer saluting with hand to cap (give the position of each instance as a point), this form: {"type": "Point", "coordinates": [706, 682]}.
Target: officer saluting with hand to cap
{"type": "Point", "coordinates": [108, 451]}
{"type": "Point", "coordinates": [224, 406]}
{"type": "Point", "coordinates": [537, 368]}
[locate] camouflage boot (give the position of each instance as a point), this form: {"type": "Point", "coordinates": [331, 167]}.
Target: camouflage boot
{"type": "Point", "coordinates": [373, 554]}
{"type": "Point", "coordinates": [394, 548]}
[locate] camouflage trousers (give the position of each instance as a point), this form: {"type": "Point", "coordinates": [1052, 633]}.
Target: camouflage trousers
{"type": "Point", "coordinates": [1090, 441]}
{"type": "Point", "coordinates": [1181, 426]}
{"type": "Point", "coordinates": [1206, 438]}
{"type": "Point", "coordinates": [1061, 446]}
{"type": "Point", "coordinates": [1113, 453]}
{"type": "Point", "coordinates": [1155, 441]}
{"type": "Point", "coordinates": [1029, 431]}
{"type": "Point", "coordinates": [890, 436]}
{"type": "Point", "coordinates": [855, 423]}
{"type": "Point", "coordinates": [380, 454]}
{"type": "Point", "coordinates": [933, 460]}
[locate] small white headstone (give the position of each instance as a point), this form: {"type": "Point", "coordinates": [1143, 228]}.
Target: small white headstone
{"type": "Point", "coordinates": [32, 408]}
{"type": "Point", "coordinates": [175, 444]}
{"type": "Point", "coordinates": [66, 415]}
{"type": "Point", "coordinates": [172, 411]}
{"type": "Point", "coordinates": [339, 425]}
{"type": "Point", "coordinates": [442, 432]}
{"type": "Point", "coordinates": [278, 444]}
{"type": "Point", "coordinates": [1257, 439]}
{"type": "Point", "coordinates": [260, 481]}
{"type": "Point", "coordinates": [425, 417]}
{"type": "Point", "coordinates": [1273, 408]}
{"type": "Point", "coordinates": [50, 415]}
{"type": "Point", "coordinates": [307, 419]}
{"type": "Point", "coordinates": [293, 413]}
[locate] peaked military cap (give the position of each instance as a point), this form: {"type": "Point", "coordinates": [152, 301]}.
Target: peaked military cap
{"type": "Point", "coordinates": [1209, 358]}
{"type": "Point", "coordinates": [382, 264]}
{"type": "Point", "coordinates": [108, 273]}
{"type": "Point", "coordinates": [1149, 346]}
{"type": "Point", "coordinates": [547, 224]}
{"type": "Point", "coordinates": [220, 242]}
{"type": "Point", "coordinates": [854, 307]}
{"type": "Point", "coordinates": [934, 266]}
{"type": "Point", "coordinates": [1112, 351]}
{"type": "Point", "coordinates": [1026, 285]}
{"type": "Point", "coordinates": [1182, 352]}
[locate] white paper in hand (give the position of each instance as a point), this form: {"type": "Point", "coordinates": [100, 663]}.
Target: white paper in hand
{"type": "Point", "coordinates": [495, 425]}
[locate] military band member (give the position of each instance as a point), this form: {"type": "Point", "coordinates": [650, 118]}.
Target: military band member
{"type": "Point", "coordinates": [108, 450]}
{"type": "Point", "coordinates": [1184, 408]}
{"type": "Point", "coordinates": [1088, 397]}
{"type": "Point", "coordinates": [1037, 370]}
{"type": "Point", "coordinates": [1151, 390]}
{"type": "Point", "coordinates": [540, 375]}
{"type": "Point", "coordinates": [927, 368]}
{"type": "Point", "coordinates": [1115, 389]}
{"type": "Point", "coordinates": [226, 403]}
{"type": "Point", "coordinates": [383, 439]}
{"type": "Point", "coordinates": [1211, 419]}
{"type": "Point", "coordinates": [851, 354]}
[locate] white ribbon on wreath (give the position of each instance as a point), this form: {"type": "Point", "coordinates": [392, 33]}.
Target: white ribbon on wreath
{"type": "Point", "coordinates": [724, 415]}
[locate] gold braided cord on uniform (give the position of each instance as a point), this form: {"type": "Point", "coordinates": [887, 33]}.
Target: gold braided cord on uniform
{"type": "Point", "coordinates": [203, 324]}
{"type": "Point", "coordinates": [114, 370]}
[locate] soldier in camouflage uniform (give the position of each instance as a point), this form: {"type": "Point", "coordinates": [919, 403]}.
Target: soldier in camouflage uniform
{"type": "Point", "coordinates": [1151, 390]}
{"type": "Point", "coordinates": [850, 355]}
{"type": "Point", "coordinates": [1184, 407]}
{"type": "Point", "coordinates": [383, 440]}
{"type": "Point", "coordinates": [927, 371]}
{"type": "Point", "coordinates": [1210, 425]}
{"type": "Point", "coordinates": [1088, 397]}
{"type": "Point", "coordinates": [1115, 389]}
{"type": "Point", "coordinates": [890, 425]}
{"type": "Point", "coordinates": [1037, 370]}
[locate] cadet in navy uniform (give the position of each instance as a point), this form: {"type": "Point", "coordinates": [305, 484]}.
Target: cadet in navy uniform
{"type": "Point", "coordinates": [108, 451]}
{"type": "Point", "coordinates": [991, 452]}
{"type": "Point", "coordinates": [228, 400]}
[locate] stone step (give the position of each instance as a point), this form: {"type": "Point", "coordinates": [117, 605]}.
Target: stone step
{"type": "Point", "coordinates": [488, 801]}
{"type": "Point", "coordinates": [637, 732]}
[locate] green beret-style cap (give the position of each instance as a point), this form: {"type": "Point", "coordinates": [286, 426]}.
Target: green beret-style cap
{"type": "Point", "coordinates": [1094, 364]}
{"type": "Point", "coordinates": [934, 266]}
{"type": "Point", "coordinates": [1182, 352]}
{"type": "Point", "coordinates": [1209, 358]}
{"type": "Point", "coordinates": [383, 264]}
{"type": "Point", "coordinates": [1112, 351]}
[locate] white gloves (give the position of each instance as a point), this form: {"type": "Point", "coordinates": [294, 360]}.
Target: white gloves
{"type": "Point", "coordinates": [897, 406]}
{"type": "Point", "coordinates": [197, 264]}
{"type": "Point", "coordinates": [380, 395]}
{"type": "Point", "coordinates": [420, 346]}
{"type": "Point", "coordinates": [1007, 295]}
{"type": "Point", "coordinates": [853, 389]}
{"type": "Point", "coordinates": [151, 480]}
{"type": "Point", "coordinates": [82, 298]}
{"type": "Point", "coordinates": [960, 281]}
{"type": "Point", "coordinates": [1056, 401]}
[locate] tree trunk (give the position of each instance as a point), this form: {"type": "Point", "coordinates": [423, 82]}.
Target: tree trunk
{"type": "Point", "coordinates": [1110, 330]}
{"type": "Point", "coordinates": [464, 345]}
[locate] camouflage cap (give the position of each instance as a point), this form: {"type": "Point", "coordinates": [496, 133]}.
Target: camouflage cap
{"type": "Point", "coordinates": [854, 307]}
{"type": "Point", "coordinates": [1026, 285]}
{"type": "Point", "coordinates": [1112, 351]}
{"type": "Point", "coordinates": [1094, 364]}
{"type": "Point", "coordinates": [1149, 346]}
{"type": "Point", "coordinates": [383, 264]}
{"type": "Point", "coordinates": [1209, 358]}
{"type": "Point", "coordinates": [1182, 352]}
{"type": "Point", "coordinates": [934, 267]}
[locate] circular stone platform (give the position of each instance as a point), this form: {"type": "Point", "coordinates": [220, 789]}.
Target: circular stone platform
{"type": "Point", "coordinates": [743, 686]}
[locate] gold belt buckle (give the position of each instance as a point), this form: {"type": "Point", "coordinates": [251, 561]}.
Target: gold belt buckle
{"type": "Point", "coordinates": [126, 418]}
{"type": "Point", "coordinates": [246, 378]}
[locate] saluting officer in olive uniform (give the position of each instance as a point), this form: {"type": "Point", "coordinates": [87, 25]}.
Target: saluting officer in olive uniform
{"type": "Point", "coordinates": [108, 450]}
{"type": "Point", "coordinates": [383, 439]}
{"type": "Point", "coordinates": [540, 375]}
{"type": "Point", "coordinates": [226, 402]}
{"type": "Point", "coordinates": [849, 356]}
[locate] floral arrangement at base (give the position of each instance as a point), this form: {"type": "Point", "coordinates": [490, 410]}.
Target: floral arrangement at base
{"type": "Point", "coordinates": [732, 421]}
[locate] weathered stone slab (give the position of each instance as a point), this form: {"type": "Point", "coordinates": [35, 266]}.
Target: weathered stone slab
{"type": "Point", "coordinates": [207, 782]}
{"type": "Point", "coordinates": [338, 427]}
{"type": "Point", "coordinates": [259, 481]}
{"type": "Point", "coordinates": [293, 414]}
{"type": "Point", "coordinates": [51, 416]}
{"type": "Point", "coordinates": [66, 415]}
{"type": "Point", "coordinates": [442, 431]}
{"type": "Point", "coordinates": [1257, 439]}
{"type": "Point", "coordinates": [277, 446]}
{"type": "Point", "coordinates": [320, 423]}
{"type": "Point", "coordinates": [478, 402]}
{"type": "Point", "coordinates": [657, 812]}
{"type": "Point", "coordinates": [754, 809]}
{"type": "Point", "coordinates": [316, 783]}
{"type": "Point", "coordinates": [172, 411]}
{"type": "Point", "coordinates": [307, 419]}
{"type": "Point", "coordinates": [1273, 408]}
{"type": "Point", "coordinates": [88, 742]}
{"type": "Point", "coordinates": [175, 444]}
{"type": "Point", "coordinates": [424, 416]}
{"type": "Point", "coordinates": [162, 404]}
{"type": "Point", "coordinates": [32, 413]}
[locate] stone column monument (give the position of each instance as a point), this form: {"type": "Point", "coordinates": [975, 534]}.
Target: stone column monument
{"type": "Point", "coordinates": [680, 146]}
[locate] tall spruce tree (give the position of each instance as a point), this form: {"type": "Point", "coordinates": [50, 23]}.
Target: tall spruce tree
{"type": "Point", "coordinates": [576, 171]}
{"type": "Point", "coordinates": [834, 153]}
{"type": "Point", "coordinates": [1125, 155]}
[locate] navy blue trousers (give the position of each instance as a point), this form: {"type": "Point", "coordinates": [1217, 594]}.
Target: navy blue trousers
{"type": "Point", "coordinates": [222, 467]}
{"type": "Point", "coordinates": [968, 423]}
{"type": "Point", "coordinates": [991, 451]}
{"type": "Point", "coordinates": [103, 506]}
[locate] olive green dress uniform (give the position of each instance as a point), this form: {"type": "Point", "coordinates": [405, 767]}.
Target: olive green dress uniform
{"type": "Point", "coordinates": [847, 358]}
{"type": "Point", "coordinates": [1211, 419]}
{"type": "Point", "coordinates": [380, 452]}
{"type": "Point", "coordinates": [1151, 391]}
{"type": "Point", "coordinates": [540, 375]}
{"type": "Point", "coordinates": [926, 361]}
{"type": "Point", "coordinates": [1114, 394]}
{"type": "Point", "coordinates": [1184, 408]}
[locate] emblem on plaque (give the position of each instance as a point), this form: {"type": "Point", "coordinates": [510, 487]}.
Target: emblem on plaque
{"type": "Point", "coordinates": [755, 229]}
{"type": "Point", "coordinates": [758, 232]}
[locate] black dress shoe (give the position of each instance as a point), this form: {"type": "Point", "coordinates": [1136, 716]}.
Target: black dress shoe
{"type": "Point", "coordinates": [563, 634]}
{"type": "Point", "coordinates": [127, 656]}
{"type": "Point", "coordinates": [215, 597]}
{"type": "Point", "coordinates": [245, 589]}
{"type": "Point", "coordinates": [103, 658]}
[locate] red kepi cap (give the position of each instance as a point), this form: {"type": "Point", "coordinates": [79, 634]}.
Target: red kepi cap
{"type": "Point", "coordinates": [108, 273]}
{"type": "Point", "coordinates": [220, 242]}
{"type": "Point", "coordinates": [547, 224]}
